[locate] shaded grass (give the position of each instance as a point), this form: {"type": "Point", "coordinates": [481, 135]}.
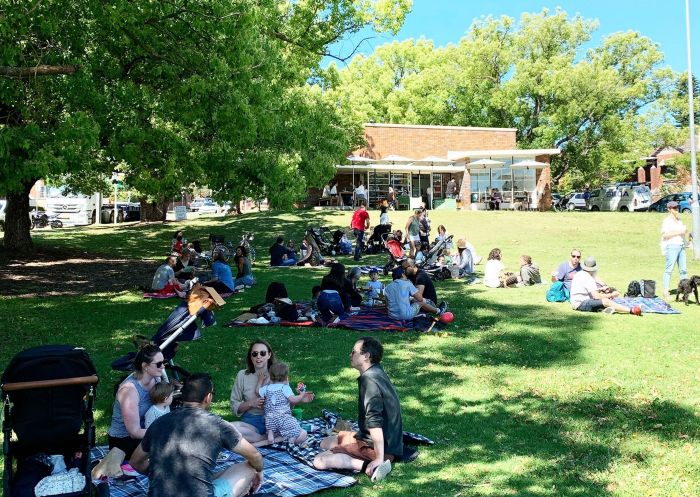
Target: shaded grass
{"type": "Point", "coordinates": [522, 397]}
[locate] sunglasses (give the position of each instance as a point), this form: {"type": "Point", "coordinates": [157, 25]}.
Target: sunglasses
{"type": "Point", "coordinates": [576, 256]}
{"type": "Point", "coordinates": [262, 353]}
{"type": "Point", "coordinates": [158, 364]}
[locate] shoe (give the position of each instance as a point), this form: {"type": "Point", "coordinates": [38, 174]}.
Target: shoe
{"type": "Point", "coordinates": [667, 296]}
{"type": "Point", "coordinates": [608, 310]}
{"type": "Point", "coordinates": [442, 307]}
{"type": "Point", "coordinates": [381, 471]}
{"type": "Point", "coordinates": [636, 310]}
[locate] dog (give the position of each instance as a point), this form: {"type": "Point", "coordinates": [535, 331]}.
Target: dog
{"type": "Point", "coordinates": [686, 286]}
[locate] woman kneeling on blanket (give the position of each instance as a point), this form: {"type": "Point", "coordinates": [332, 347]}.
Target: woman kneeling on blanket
{"type": "Point", "coordinates": [245, 401]}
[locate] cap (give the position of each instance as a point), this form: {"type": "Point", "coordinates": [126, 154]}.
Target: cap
{"type": "Point", "coordinates": [397, 273]}
{"type": "Point", "coordinates": [373, 271]}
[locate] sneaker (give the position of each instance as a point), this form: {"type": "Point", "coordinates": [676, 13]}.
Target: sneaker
{"type": "Point", "coordinates": [636, 310]}
{"type": "Point", "coordinates": [608, 310]}
{"type": "Point", "coordinates": [381, 471]}
{"type": "Point", "coordinates": [442, 307]}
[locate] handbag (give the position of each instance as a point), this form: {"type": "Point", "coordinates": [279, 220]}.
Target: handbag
{"type": "Point", "coordinates": [558, 292]}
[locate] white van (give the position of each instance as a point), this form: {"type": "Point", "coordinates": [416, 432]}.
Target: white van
{"type": "Point", "coordinates": [621, 197]}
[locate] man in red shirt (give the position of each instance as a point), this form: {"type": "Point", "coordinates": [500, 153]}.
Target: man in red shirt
{"type": "Point", "coordinates": [359, 224]}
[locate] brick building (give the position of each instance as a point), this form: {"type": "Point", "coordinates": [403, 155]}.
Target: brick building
{"type": "Point", "coordinates": [418, 162]}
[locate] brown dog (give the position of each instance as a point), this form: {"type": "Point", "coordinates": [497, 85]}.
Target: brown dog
{"type": "Point", "coordinates": [686, 286]}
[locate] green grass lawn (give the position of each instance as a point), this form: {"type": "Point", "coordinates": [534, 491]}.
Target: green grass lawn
{"type": "Point", "coordinates": [522, 397]}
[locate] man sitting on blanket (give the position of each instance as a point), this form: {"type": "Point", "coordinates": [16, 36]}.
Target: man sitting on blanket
{"type": "Point", "coordinates": [590, 294]}
{"type": "Point", "coordinates": [404, 301]}
{"type": "Point", "coordinates": [380, 437]}
{"type": "Point", "coordinates": [179, 450]}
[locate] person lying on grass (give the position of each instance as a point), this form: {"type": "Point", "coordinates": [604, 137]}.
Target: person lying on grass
{"type": "Point", "coordinates": [589, 294]}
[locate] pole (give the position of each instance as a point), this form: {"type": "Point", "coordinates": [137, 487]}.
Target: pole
{"type": "Point", "coordinates": [115, 203]}
{"type": "Point", "coordinates": [695, 208]}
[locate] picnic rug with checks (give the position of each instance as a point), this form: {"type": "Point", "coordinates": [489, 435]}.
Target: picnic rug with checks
{"type": "Point", "coordinates": [284, 475]}
{"type": "Point", "coordinates": [323, 426]}
{"type": "Point", "coordinates": [654, 305]}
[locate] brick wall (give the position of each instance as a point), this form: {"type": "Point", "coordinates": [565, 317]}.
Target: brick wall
{"type": "Point", "coordinates": [417, 142]}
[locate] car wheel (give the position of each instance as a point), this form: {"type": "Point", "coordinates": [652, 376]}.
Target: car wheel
{"type": "Point", "coordinates": [624, 209]}
{"type": "Point", "coordinates": [686, 211]}
{"type": "Point", "coordinates": [595, 208]}
{"type": "Point", "coordinates": [570, 207]}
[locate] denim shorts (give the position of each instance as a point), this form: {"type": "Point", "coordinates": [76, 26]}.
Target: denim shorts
{"type": "Point", "coordinates": [257, 421]}
{"type": "Point", "coordinates": [591, 305]}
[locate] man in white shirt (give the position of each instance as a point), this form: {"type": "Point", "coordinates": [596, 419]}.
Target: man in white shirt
{"type": "Point", "coordinates": [589, 295]}
{"type": "Point", "coordinates": [360, 193]}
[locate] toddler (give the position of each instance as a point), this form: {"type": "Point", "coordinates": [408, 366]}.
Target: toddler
{"type": "Point", "coordinates": [161, 396]}
{"type": "Point", "coordinates": [374, 286]}
{"type": "Point", "coordinates": [279, 398]}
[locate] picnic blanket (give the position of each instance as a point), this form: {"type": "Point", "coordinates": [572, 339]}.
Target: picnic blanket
{"type": "Point", "coordinates": [323, 425]}
{"type": "Point", "coordinates": [654, 305]}
{"type": "Point", "coordinates": [367, 269]}
{"type": "Point", "coordinates": [284, 475]}
{"type": "Point", "coordinates": [377, 319]}
{"type": "Point", "coordinates": [158, 295]}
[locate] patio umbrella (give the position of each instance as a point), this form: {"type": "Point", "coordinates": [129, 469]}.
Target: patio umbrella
{"type": "Point", "coordinates": [484, 164]}
{"type": "Point", "coordinates": [356, 159]}
{"type": "Point", "coordinates": [528, 164]}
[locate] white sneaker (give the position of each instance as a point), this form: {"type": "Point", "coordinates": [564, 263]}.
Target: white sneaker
{"type": "Point", "coordinates": [608, 310]}
{"type": "Point", "coordinates": [381, 471]}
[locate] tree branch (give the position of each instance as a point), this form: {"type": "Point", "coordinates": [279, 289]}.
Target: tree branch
{"type": "Point", "coordinates": [39, 70]}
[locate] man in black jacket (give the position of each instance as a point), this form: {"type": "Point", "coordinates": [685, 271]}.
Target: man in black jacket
{"type": "Point", "coordinates": [379, 439]}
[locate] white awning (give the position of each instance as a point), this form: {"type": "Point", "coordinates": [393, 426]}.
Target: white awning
{"type": "Point", "coordinates": [482, 154]}
{"type": "Point", "coordinates": [400, 168]}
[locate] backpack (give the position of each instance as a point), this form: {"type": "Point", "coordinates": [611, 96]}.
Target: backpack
{"type": "Point", "coordinates": [633, 289]}
{"type": "Point", "coordinates": [641, 288]}
{"type": "Point", "coordinates": [558, 292]}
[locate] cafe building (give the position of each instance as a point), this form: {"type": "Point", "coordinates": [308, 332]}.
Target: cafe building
{"type": "Point", "coordinates": [418, 162]}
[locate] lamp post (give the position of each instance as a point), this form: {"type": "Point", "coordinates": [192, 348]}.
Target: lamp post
{"type": "Point", "coordinates": [695, 208]}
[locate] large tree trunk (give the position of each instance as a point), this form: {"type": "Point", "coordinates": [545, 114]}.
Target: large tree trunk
{"type": "Point", "coordinates": [154, 211]}
{"type": "Point", "coordinates": [17, 224]}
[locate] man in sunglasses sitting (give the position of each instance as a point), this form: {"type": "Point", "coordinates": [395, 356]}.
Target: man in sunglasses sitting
{"type": "Point", "coordinates": [179, 450]}
{"type": "Point", "coordinates": [568, 269]}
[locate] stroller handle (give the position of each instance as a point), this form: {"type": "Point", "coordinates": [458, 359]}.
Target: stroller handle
{"type": "Point", "coordinates": [29, 385]}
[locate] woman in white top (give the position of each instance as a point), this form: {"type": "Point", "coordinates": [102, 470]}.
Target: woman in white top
{"type": "Point", "coordinates": [493, 269]}
{"type": "Point", "coordinates": [673, 245]}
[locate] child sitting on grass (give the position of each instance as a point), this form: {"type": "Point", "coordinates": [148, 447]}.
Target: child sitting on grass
{"type": "Point", "coordinates": [279, 399]}
{"type": "Point", "coordinates": [161, 396]}
{"type": "Point", "coordinates": [374, 287]}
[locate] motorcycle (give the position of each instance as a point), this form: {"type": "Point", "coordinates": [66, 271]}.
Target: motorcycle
{"type": "Point", "coordinates": [42, 220]}
{"type": "Point", "coordinates": [246, 240]}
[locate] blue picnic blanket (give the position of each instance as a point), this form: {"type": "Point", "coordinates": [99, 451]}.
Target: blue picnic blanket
{"type": "Point", "coordinates": [654, 305]}
{"type": "Point", "coordinates": [284, 475]}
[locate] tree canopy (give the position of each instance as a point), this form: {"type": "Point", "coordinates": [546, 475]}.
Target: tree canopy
{"type": "Point", "coordinates": [172, 94]}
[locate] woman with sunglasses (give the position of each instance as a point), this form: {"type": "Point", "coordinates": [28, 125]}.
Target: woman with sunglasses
{"type": "Point", "coordinates": [245, 401]}
{"type": "Point", "coordinates": [132, 400]}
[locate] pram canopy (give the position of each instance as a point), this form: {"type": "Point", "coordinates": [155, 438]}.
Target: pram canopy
{"type": "Point", "coordinates": [45, 416]}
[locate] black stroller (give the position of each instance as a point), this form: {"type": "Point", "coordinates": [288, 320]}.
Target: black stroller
{"type": "Point", "coordinates": [181, 326]}
{"type": "Point", "coordinates": [48, 394]}
{"type": "Point", "coordinates": [328, 241]}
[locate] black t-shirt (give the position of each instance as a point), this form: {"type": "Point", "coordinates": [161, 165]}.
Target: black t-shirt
{"type": "Point", "coordinates": [182, 447]}
{"type": "Point", "coordinates": [422, 278]}
{"type": "Point", "coordinates": [277, 253]}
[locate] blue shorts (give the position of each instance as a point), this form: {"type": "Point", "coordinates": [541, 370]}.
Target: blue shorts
{"type": "Point", "coordinates": [222, 488]}
{"type": "Point", "coordinates": [257, 421]}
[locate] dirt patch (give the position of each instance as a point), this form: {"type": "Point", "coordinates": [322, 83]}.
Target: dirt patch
{"type": "Point", "coordinates": [46, 273]}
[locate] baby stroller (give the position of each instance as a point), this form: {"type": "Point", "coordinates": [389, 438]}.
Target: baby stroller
{"type": "Point", "coordinates": [376, 242]}
{"type": "Point", "coordinates": [328, 242]}
{"type": "Point", "coordinates": [435, 251]}
{"type": "Point", "coordinates": [180, 326]}
{"type": "Point", "coordinates": [396, 253]}
{"type": "Point", "coordinates": [48, 394]}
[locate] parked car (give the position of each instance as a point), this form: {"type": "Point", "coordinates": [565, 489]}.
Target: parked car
{"type": "Point", "coordinates": [209, 207]}
{"type": "Point", "coordinates": [197, 203]}
{"type": "Point", "coordinates": [574, 201]}
{"type": "Point", "coordinates": [683, 199]}
{"type": "Point", "coordinates": [623, 197]}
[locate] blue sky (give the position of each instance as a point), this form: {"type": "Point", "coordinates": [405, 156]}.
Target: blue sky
{"type": "Point", "coordinates": [446, 21]}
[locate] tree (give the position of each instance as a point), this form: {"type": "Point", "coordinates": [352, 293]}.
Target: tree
{"type": "Point", "coordinates": [173, 93]}
{"type": "Point", "coordinates": [679, 101]}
